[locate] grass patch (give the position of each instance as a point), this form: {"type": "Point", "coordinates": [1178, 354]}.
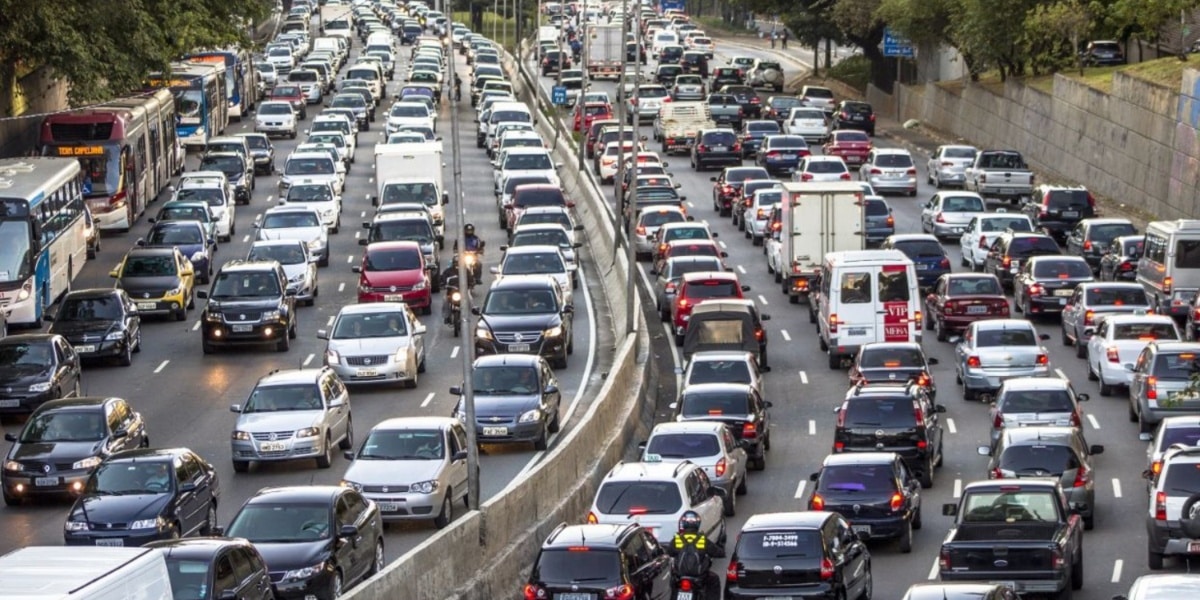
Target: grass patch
{"type": "Point", "coordinates": [1167, 72]}
{"type": "Point", "coordinates": [719, 25]}
{"type": "Point", "coordinates": [506, 38]}
{"type": "Point", "coordinates": [854, 71]}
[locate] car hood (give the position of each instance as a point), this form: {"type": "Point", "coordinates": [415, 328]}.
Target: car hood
{"type": "Point", "coordinates": [294, 271]}
{"type": "Point", "coordinates": [19, 376]}
{"type": "Point", "coordinates": [288, 420]}
{"type": "Point", "coordinates": [295, 555]}
{"type": "Point", "coordinates": [234, 304]}
{"type": "Point", "coordinates": [133, 285]}
{"type": "Point", "coordinates": [119, 509]}
{"type": "Point", "coordinates": [303, 234]}
{"type": "Point", "coordinates": [83, 330]}
{"type": "Point", "coordinates": [58, 452]}
{"type": "Point", "coordinates": [368, 346]}
{"type": "Point", "coordinates": [392, 472]}
{"type": "Point", "coordinates": [487, 406]}
{"type": "Point", "coordinates": [520, 322]}
{"type": "Point", "coordinates": [396, 278]}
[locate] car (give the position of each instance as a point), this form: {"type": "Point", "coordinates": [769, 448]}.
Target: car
{"type": "Point", "coordinates": [1056, 210]}
{"type": "Point", "coordinates": [1035, 402]}
{"type": "Point", "coordinates": [893, 362]}
{"type": "Point", "coordinates": [1049, 452]}
{"type": "Point", "coordinates": [982, 230]}
{"type": "Point", "coordinates": [688, 87]}
{"type": "Point", "coordinates": [589, 112]}
{"type": "Point", "coordinates": [668, 277]}
{"type": "Point", "coordinates": [212, 188]}
{"type": "Point", "coordinates": [298, 264]}
{"type": "Point", "coordinates": [820, 168]}
{"type": "Point", "coordinates": [927, 255]}
{"type": "Point", "coordinates": [1091, 238]}
{"type": "Point", "coordinates": [777, 108]}
{"type": "Point", "coordinates": [1181, 431]}
{"type": "Point", "coordinates": [525, 314]}
{"type": "Point", "coordinates": [1103, 53]}
{"type": "Point", "coordinates": [696, 62]}
{"type": "Point", "coordinates": [655, 495]}
{"type": "Point", "coordinates": [644, 103]}
{"type": "Point", "coordinates": [144, 495]}
{"type": "Point", "coordinates": [947, 214]}
{"type": "Point", "coordinates": [248, 304]}
{"type": "Point", "coordinates": [159, 280]}
{"type": "Point", "coordinates": [740, 407]}
{"type": "Point", "coordinates": [684, 247]}
{"type": "Point", "coordinates": [593, 559]}
{"type": "Point", "coordinates": [856, 115]}
{"type": "Point", "coordinates": [550, 215]}
{"type": "Point", "coordinates": [697, 287]}
{"type": "Point", "coordinates": [819, 97]}
{"type": "Point", "coordinates": [189, 210]}
{"type": "Point", "coordinates": [395, 271]}
{"type": "Point", "coordinates": [525, 161]}
{"type": "Point", "coordinates": [648, 223]}
{"type": "Point", "coordinates": [313, 165]}
{"type": "Point", "coordinates": [855, 148]}
{"type": "Point", "coordinates": [552, 234]}
{"type": "Point", "coordinates": [807, 122]}
{"type": "Point", "coordinates": [538, 260]}
{"type": "Point", "coordinates": [292, 414]}
{"type": "Point", "coordinates": [190, 238]}
{"type": "Point", "coordinates": [748, 99]}
{"type": "Point", "coordinates": [959, 591]}
{"type": "Point", "coordinates": [517, 400]}
{"type": "Point", "coordinates": [1117, 342]}
{"type": "Point", "coordinates": [781, 153]}
{"type": "Point", "coordinates": [727, 187]}
{"type": "Point", "coordinates": [1120, 258]}
{"type": "Point", "coordinates": [724, 76]}
{"type": "Point", "coordinates": [36, 368]}
{"type": "Point", "coordinates": [527, 196]}
{"type": "Point", "coordinates": [947, 165]}
{"type": "Point", "coordinates": [878, 221]}
{"type": "Point", "coordinates": [295, 222]}
{"type": "Point", "coordinates": [237, 167]}
{"type": "Point", "coordinates": [716, 147]}
{"type": "Point", "coordinates": [757, 214]}
{"type": "Point", "coordinates": [1090, 301]}
{"type": "Point", "coordinates": [63, 441]}
{"type": "Point", "coordinates": [375, 342]}
{"type": "Point", "coordinates": [1046, 284]}
{"type": "Point", "coordinates": [722, 366]}
{"type": "Point", "coordinates": [806, 548]}
{"type": "Point", "coordinates": [886, 169]}
{"type": "Point", "coordinates": [745, 200]}
{"type": "Point", "coordinates": [408, 222]}
{"type": "Point", "coordinates": [211, 569]}
{"type": "Point", "coordinates": [317, 540]}
{"type": "Point", "coordinates": [412, 468]}
{"type": "Point", "coordinates": [343, 144]}
{"type": "Point", "coordinates": [276, 117]}
{"type": "Point", "coordinates": [993, 350]}
{"type": "Point", "coordinates": [902, 418]}
{"type": "Point", "coordinates": [1162, 372]}
{"type": "Point", "coordinates": [959, 299]}
{"type": "Point", "coordinates": [875, 490]}
{"type": "Point", "coordinates": [707, 444]}
{"type": "Point", "coordinates": [753, 133]}
{"type": "Point", "coordinates": [1011, 249]}
{"type": "Point", "coordinates": [99, 323]}
{"type": "Point", "coordinates": [765, 73]}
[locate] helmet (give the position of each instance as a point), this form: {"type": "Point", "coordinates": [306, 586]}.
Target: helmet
{"type": "Point", "coordinates": [469, 229]}
{"type": "Point", "coordinates": [689, 522]}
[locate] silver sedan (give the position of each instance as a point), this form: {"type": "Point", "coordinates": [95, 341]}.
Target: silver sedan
{"type": "Point", "coordinates": [376, 342]}
{"type": "Point", "coordinates": [688, 87]}
{"type": "Point", "coordinates": [948, 165]}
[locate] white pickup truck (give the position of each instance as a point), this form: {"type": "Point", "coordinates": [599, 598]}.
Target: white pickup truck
{"type": "Point", "coordinates": [678, 123]}
{"type": "Point", "coordinates": [1000, 174]}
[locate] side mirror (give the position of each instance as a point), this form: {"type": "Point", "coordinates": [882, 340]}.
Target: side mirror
{"type": "Point", "coordinates": [715, 235]}
{"type": "Point", "coordinates": [348, 531]}
{"type": "Point", "coordinates": [202, 294]}
{"type": "Point", "coordinates": [419, 329]}
{"type": "Point", "coordinates": [768, 404]}
{"type": "Point", "coordinates": [120, 433]}
{"type": "Point", "coordinates": [349, 454]}
{"type": "Point", "coordinates": [456, 390]}
{"type": "Point", "coordinates": [187, 486]}
{"type": "Point", "coordinates": [1082, 397]}
{"type": "Point", "coordinates": [745, 288]}
{"type": "Point", "coordinates": [713, 179]}
{"type": "Point", "coordinates": [983, 450]}
{"type": "Point", "coordinates": [458, 456]}
{"type": "Point", "coordinates": [495, 270]}
{"type": "Point", "coordinates": [115, 272]}
{"type": "Point", "coordinates": [724, 255]}
{"type": "Point", "coordinates": [10, 437]}
{"type": "Point", "coordinates": [673, 405]}
{"type": "Point", "coordinates": [764, 317]}
{"type": "Point", "coordinates": [322, 334]}
{"type": "Point", "coordinates": [235, 408]}
{"type": "Point", "coordinates": [1096, 449]}
{"type": "Point", "coordinates": [1145, 437]}
{"type": "Point", "coordinates": [949, 510]}
{"type": "Point", "coordinates": [934, 360]}
{"type": "Point", "coordinates": [374, 200]}
{"type": "Point", "coordinates": [954, 339]}
{"type": "Point", "coordinates": [363, 242]}
{"type": "Point", "coordinates": [550, 389]}
{"type": "Point", "coordinates": [217, 530]}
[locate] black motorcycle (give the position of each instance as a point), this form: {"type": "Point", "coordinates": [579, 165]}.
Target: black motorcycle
{"type": "Point", "coordinates": [454, 297]}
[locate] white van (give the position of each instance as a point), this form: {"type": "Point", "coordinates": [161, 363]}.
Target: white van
{"type": "Point", "coordinates": [381, 37]}
{"type": "Point", "coordinates": [1169, 268]}
{"type": "Point", "coordinates": [866, 296]}
{"type": "Point", "coordinates": [329, 44]}
{"type": "Point", "coordinates": [662, 39]}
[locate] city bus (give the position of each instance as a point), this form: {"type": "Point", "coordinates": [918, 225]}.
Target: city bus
{"type": "Point", "coordinates": [42, 241]}
{"type": "Point", "coordinates": [201, 107]}
{"type": "Point", "coordinates": [240, 88]}
{"type": "Point", "coordinates": [127, 148]}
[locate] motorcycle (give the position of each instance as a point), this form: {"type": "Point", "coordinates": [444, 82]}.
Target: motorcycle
{"type": "Point", "coordinates": [474, 264]}
{"type": "Point", "coordinates": [454, 297]}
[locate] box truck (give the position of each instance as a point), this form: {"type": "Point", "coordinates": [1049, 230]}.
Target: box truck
{"type": "Point", "coordinates": [412, 172]}
{"type": "Point", "coordinates": [816, 219]}
{"type": "Point", "coordinates": [84, 573]}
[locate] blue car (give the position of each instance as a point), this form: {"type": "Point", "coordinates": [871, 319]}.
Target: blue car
{"type": "Point", "coordinates": [926, 253]}
{"type": "Point", "coordinates": [781, 154]}
{"type": "Point", "coordinates": [753, 133]}
{"type": "Point", "coordinates": [878, 220]}
{"type": "Point", "coordinates": [190, 238]}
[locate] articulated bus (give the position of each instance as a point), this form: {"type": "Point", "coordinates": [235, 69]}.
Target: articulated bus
{"type": "Point", "coordinates": [240, 88]}
{"type": "Point", "coordinates": [127, 148]}
{"type": "Point", "coordinates": [201, 105]}
{"type": "Point", "coordinates": [42, 241]}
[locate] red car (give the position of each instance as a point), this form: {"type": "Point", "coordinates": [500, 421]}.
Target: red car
{"type": "Point", "coordinates": [592, 111]}
{"type": "Point", "coordinates": [395, 272]}
{"type": "Point", "coordinates": [959, 299]}
{"type": "Point", "coordinates": [294, 95]}
{"type": "Point", "coordinates": [697, 287]}
{"type": "Point", "coordinates": [851, 146]}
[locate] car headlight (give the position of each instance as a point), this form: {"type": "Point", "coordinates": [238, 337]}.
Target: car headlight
{"type": "Point", "coordinates": [76, 526]}
{"type": "Point", "coordinates": [88, 463]}
{"type": "Point", "coordinates": [175, 292]}
{"type": "Point", "coordinates": [115, 336]}
{"type": "Point", "coordinates": [460, 415]}
{"type": "Point", "coordinates": [155, 523]}
{"type": "Point", "coordinates": [308, 432]}
{"type": "Point", "coordinates": [424, 487]}
{"type": "Point", "coordinates": [530, 416]}
{"type": "Point", "coordinates": [555, 331]}
{"type": "Point", "coordinates": [12, 465]}
{"type": "Point", "coordinates": [212, 317]}
{"type": "Point", "coordinates": [420, 285]}
{"type": "Point", "coordinates": [332, 357]}
{"type": "Point", "coordinates": [243, 436]}
{"type": "Point", "coordinates": [305, 573]}
{"type": "Point", "coordinates": [483, 334]}
{"type": "Point", "coordinates": [198, 256]}
{"type": "Point", "coordinates": [270, 315]}
{"type": "Point", "coordinates": [350, 484]}
{"type": "Point", "coordinates": [456, 297]}
{"type": "Point", "coordinates": [315, 244]}
{"type": "Point", "coordinates": [40, 387]}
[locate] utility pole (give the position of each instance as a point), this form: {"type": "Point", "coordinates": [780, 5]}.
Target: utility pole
{"type": "Point", "coordinates": [631, 290]}
{"type": "Point", "coordinates": [495, 17]}
{"type": "Point", "coordinates": [585, 31]}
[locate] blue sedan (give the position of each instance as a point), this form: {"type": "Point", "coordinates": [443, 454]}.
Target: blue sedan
{"type": "Point", "coordinates": [191, 239]}
{"type": "Point", "coordinates": [781, 154]}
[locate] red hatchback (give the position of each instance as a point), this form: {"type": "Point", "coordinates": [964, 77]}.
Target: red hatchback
{"type": "Point", "coordinates": [959, 299]}
{"type": "Point", "coordinates": [394, 272]}
{"type": "Point", "coordinates": [697, 287]}
{"type": "Point", "coordinates": [852, 146]}
{"type": "Point", "coordinates": [592, 111]}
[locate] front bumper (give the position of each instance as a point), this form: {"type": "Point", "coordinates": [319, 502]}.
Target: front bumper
{"type": "Point", "coordinates": [413, 298]}
{"type": "Point", "coordinates": [814, 591]}
{"type": "Point", "coordinates": [306, 589]}
{"type": "Point", "coordinates": [389, 372]}
{"type": "Point", "coordinates": [224, 334]}
{"type": "Point", "coordinates": [289, 449]}
{"type": "Point", "coordinates": [1046, 304]}
{"type": "Point", "coordinates": [406, 507]}
{"type": "Point", "coordinates": [120, 537]}
{"type": "Point", "coordinates": [549, 347]}
{"type": "Point", "coordinates": [25, 484]}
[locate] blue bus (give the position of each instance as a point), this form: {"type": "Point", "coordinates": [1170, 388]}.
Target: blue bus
{"type": "Point", "coordinates": [201, 105]}
{"type": "Point", "coordinates": [43, 242]}
{"type": "Point", "coordinates": [239, 78]}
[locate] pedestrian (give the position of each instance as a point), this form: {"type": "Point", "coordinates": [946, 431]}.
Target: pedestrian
{"type": "Point", "coordinates": [784, 39]}
{"type": "Point", "coordinates": [773, 36]}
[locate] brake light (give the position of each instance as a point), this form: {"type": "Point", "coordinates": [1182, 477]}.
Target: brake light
{"type": "Point", "coordinates": [1057, 559]}
{"type": "Point", "coordinates": [998, 420]}
{"type": "Point", "coordinates": [876, 172]}
{"type": "Point", "coordinates": [1160, 506]}
{"type": "Point", "coordinates": [720, 468]}
{"type": "Point", "coordinates": [749, 431]}
{"type": "Point", "coordinates": [591, 518]}
{"type": "Point", "coordinates": [806, 177]}
{"type": "Point", "coordinates": [923, 381]}
{"type": "Point", "coordinates": [701, 148]}
{"type": "Point", "coordinates": [1113, 355]}
{"type": "Point", "coordinates": [755, 100]}
{"type": "Point", "coordinates": [872, 117]}
{"type": "Point", "coordinates": [826, 569]}
{"type": "Point", "coordinates": [1007, 262]}
{"type": "Point", "coordinates": [944, 560]}
{"type": "Point", "coordinates": [641, 230]}
{"type": "Point", "coordinates": [737, 146]}
{"type": "Point", "coordinates": [731, 572]}
{"type": "Point", "coordinates": [918, 319]}
{"type": "Point", "coordinates": [833, 323]}
{"type": "Point", "coordinates": [845, 115]}
{"type": "Point", "coordinates": [1035, 289]}
{"type": "Point", "coordinates": [728, 189]}
{"type": "Point", "coordinates": [685, 585]}
{"type": "Point", "coordinates": [1152, 388]}
{"type": "Point", "coordinates": [891, 221]}
{"type": "Point", "coordinates": [1087, 245]}
{"type": "Point", "coordinates": [1043, 359]}
{"type": "Point", "coordinates": [945, 263]}
{"type": "Point", "coordinates": [773, 154]}
{"type": "Point", "coordinates": [662, 248]}
{"type": "Point", "coordinates": [817, 502]}
{"type": "Point", "coordinates": [1089, 317]}
{"type": "Point", "coordinates": [845, 177]}
{"type": "Point", "coordinates": [940, 218]}
{"type": "Point", "coordinates": [982, 243]}
{"type": "Point", "coordinates": [670, 287]}
{"type": "Point", "coordinates": [1156, 467]}
{"type": "Point", "coordinates": [1167, 285]}
{"type": "Point", "coordinates": [897, 501]}
{"type": "Point", "coordinates": [533, 592]}
{"type": "Point", "coordinates": [1076, 420]}
{"type": "Point", "coordinates": [761, 214]}
{"type": "Point", "coordinates": [973, 362]}
{"type": "Point", "coordinates": [1126, 266]}
{"type": "Point", "coordinates": [995, 474]}
{"type": "Point", "coordinates": [637, 510]}
{"type": "Point", "coordinates": [621, 592]}
{"type": "Point", "coordinates": [683, 303]}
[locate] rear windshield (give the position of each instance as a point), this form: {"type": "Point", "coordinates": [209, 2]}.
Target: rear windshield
{"type": "Point", "coordinates": [726, 138]}
{"type": "Point", "coordinates": [1144, 331]}
{"type": "Point", "coordinates": [1134, 249]}
{"type": "Point", "coordinates": [569, 566]}
{"type": "Point", "coordinates": [679, 268]}
{"type": "Point", "coordinates": [740, 175]}
{"type": "Point", "coordinates": [712, 289]}
{"type": "Point", "coordinates": [1188, 436]}
{"type": "Point", "coordinates": [852, 136]}
{"type": "Point", "coordinates": [684, 445]}
{"type": "Point", "coordinates": [880, 412]}
{"type": "Point", "coordinates": [958, 153]}
{"type": "Point", "coordinates": [974, 286]}
{"type": "Point", "coordinates": [877, 208]}
{"type": "Point", "coordinates": [1117, 296]}
{"type": "Point", "coordinates": [1067, 199]}
{"type": "Point", "coordinates": [1025, 460]}
{"type": "Point", "coordinates": [1002, 223]}
{"type": "Point", "coordinates": [769, 126]}
{"type": "Point", "coordinates": [1005, 337]}
{"type": "Point", "coordinates": [1061, 269]}
{"type": "Point", "coordinates": [714, 403]}
{"type": "Point", "coordinates": [890, 358]}
{"type": "Point", "coordinates": [814, 114]}
{"type": "Point", "coordinates": [1103, 234]}
{"type": "Point", "coordinates": [1183, 479]}
{"type": "Point", "coordinates": [963, 204]}
{"type": "Point", "coordinates": [787, 142]}
{"type": "Point", "coordinates": [512, 182]}
{"type": "Point", "coordinates": [686, 233]}
{"type": "Point", "coordinates": [857, 478]}
{"type": "Point", "coordinates": [719, 371]}
{"type": "Point", "coordinates": [771, 545]}
{"type": "Point", "coordinates": [1029, 246]}
{"type": "Point", "coordinates": [818, 93]}
{"type": "Point", "coordinates": [1027, 401]}
{"type": "Point", "coordinates": [920, 249]}
{"type": "Point", "coordinates": [896, 161]}
{"type": "Point", "coordinates": [657, 219]}
{"type": "Point", "coordinates": [826, 166]}
{"type": "Point", "coordinates": [538, 197]}
{"type": "Point", "coordinates": [649, 497]}
{"type": "Point", "coordinates": [857, 107]}
{"type": "Point", "coordinates": [1176, 366]}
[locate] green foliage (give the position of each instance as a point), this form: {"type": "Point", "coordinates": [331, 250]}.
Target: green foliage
{"type": "Point", "coordinates": [1053, 33]}
{"type": "Point", "coordinates": [921, 21]}
{"type": "Point", "coordinates": [854, 71]}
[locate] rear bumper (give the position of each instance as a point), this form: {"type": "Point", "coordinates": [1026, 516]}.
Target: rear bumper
{"type": "Point", "coordinates": [1022, 583]}
{"type": "Point", "coordinates": [978, 380]}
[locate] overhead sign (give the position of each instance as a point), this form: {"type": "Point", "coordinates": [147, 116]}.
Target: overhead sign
{"type": "Point", "coordinates": [558, 94]}
{"type": "Point", "coordinates": [894, 45]}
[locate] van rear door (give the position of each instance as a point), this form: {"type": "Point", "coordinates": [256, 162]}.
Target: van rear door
{"type": "Point", "coordinates": [895, 308]}
{"type": "Point", "coordinates": [855, 310]}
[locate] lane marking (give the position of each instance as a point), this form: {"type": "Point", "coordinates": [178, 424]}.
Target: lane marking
{"type": "Point", "coordinates": [350, 259]}
{"type": "Point", "coordinates": [357, 234]}
{"type": "Point", "coordinates": [957, 488]}
{"type": "Point", "coordinates": [363, 214]}
{"type": "Point", "coordinates": [690, 205]}
{"type": "Point", "coordinates": [427, 400]}
{"type": "Point", "coordinates": [1116, 488]}
{"type": "Point", "coordinates": [162, 366]}
{"type": "Point", "coordinates": [803, 377]}
{"type": "Point", "coordinates": [801, 488]}
{"type": "Point", "coordinates": [329, 322]}
{"type": "Point", "coordinates": [812, 427]}
{"type": "Point", "coordinates": [786, 336]}
{"type": "Point", "coordinates": [1060, 374]}
{"type": "Point", "coordinates": [245, 238]}
{"type": "Point", "coordinates": [951, 426]}
{"type": "Point", "coordinates": [741, 269]}
{"type": "Point", "coordinates": [1092, 419]}
{"type": "Point", "coordinates": [342, 286]}
{"type": "Point", "coordinates": [196, 326]}
{"type": "Point", "coordinates": [763, 299]}
{"type": "Point", "coordinates": [723, 246]}
{"type": "Point", "coordinates": [1117, 566]}
{"type": "Point", "coordinates": [933, 572]}
{"type": "Point", "coordinates": [454, 352]}
{"type": "Point", "coordinates": [308, 359]}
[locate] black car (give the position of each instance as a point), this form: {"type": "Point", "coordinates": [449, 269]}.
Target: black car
{"type": "Point", "coordinates": [215, 569]}
{"type": "Point", "coordinates": [318, 540]}
{"type": "Point", "coordinates": [100, 323]}
{"type": "Point", "coordinates": [1091, 238]}
{"type": "Point", "coordinates": [354, 102]}
{"type": "Point", "coordinates": [525, 314]}
{"type": "Point", "coordinates": [723, 76]}
{"type": "Point", "coordinates": [887, 417]}
{"type": "Point", "coordinates": [814, 554]}
{"type": "Point", "coordinates": [1055, 210]}
{"type": "Point", "coordinates": [1120, 259]}
{"type": "Point", "coordinates": [670, 55]}
{"type": "Point", "coordinates": [143, 495]}
{"type": "Point", "coordinates": [262, 151]}
{"type": "Point", "coordinates": [1045, 283]}
{"type": "Point", "coordinates": [879, 222]}
{"type": "Point", "coordinates": [746, 97]}
{"type": "Point", "coordinates": [777, 108]}
{"type": "Point", "coordinates": [874, 490]}
{"type": "Point", "coordinates": [63, 442]}
{"type": "Point", "coordinates": [694, 62]}
{"type": "Point", "coordinates": [1011, 249]}
{"type": "Point", "coordinates": [665, 74]}
{"type": "Point", "coordinates": [960, 591]}
{"type": "Point", "coordinates": [249, 303]}
{"type": "Point", "coordinates": [591, 561]}
{"type": "Point", "coordinates": [35, 368]}
{"type": "Point", "coordinates": [516, 399]}
{"type": "Point", "coordinates": [739, 406]}
{"type": "Point", "coordinates": [236, 168]}
{"type": "Point", "coordinates": [1103, 53]}
{"type": "Point", "coordinates": [781, 153]}
{"type": "Point", "coordinates": [633, 54]}
{"type": "Point", "coordinates": [716, 147]}
{"type": "Point", "coordinates": [555, 60]}
{"type": "Point", "coordinates": [727, 188]}
{"type": "Point", "coordinates": [753, 133]}
{"type": "Point", "coordinates": [852, 114]}
{"type": "Point", "coordinates": [894, 362]}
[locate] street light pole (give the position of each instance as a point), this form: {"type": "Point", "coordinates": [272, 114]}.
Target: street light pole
{"type": "Point", "coordinates": [585, 31]}
{"type": "Point", "coordinates": [631, 291]}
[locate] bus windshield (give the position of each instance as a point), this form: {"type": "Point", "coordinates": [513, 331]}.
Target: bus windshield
{"type": "Point", "coordinates": [102, 174]}
{"type": "Point", "coordinates": [189, 105]}
{"type": "Point", "coordinates": [15, 251]}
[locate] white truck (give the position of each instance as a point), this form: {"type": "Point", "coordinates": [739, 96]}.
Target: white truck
{"type": "Point", "coordinates": [678, 123]}
{"type": "Point", "coordinates": [84, 573]}
{"type": "Point", "coordinates": [605, 51]}
{"type": "Point", "coordinates": [816, 219]}
{"type": "Point", "coordinates": [412, 172]}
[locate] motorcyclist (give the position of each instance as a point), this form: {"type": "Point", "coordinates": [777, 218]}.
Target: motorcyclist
{"type": "Point", "coordinates": [457, 88]}
{"type": "Point", "coordinates": [449, 277]}
{"type": "Point", "coordinates": [690, 549]}
{"type": "Point", "coordinates": [471, 242]}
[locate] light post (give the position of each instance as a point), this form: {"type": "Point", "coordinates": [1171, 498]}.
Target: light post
{"type": "Point", "coordinates": [631, 255]}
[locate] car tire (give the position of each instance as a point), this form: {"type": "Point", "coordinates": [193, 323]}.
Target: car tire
{"type": "Point", "coordinates": [542, 442]}
{"type": "Point", "coordinates": [348, 441]}
{"type": "Point", "coordinates": [208, 348]}
{"type": "Point", "coordinates": [335, 586]}
{"type": "Point", "coordinates": [1154, 560]}
{"type": "Point", "coordinates": [835, 362]}
{"type": "Point", "coordinates": [241, 466]}
{"type": "Point", "coordinates": [325, 460]}
{"type": "Point", "coordinates": [916, 522]}
{"type": "Point", "coordinates": [284, 343]}
{"type": "Point", "coordinates": [446, 514]}
{"type": "Point", "coordinates": [741, 488]}
{"type": "Point", "coordinates": [210, 520]}
{"type": "Point", "coordinates": [1080, 348]}
{"type": "Point", "coordinates": [126, 358]}
{"type": "Point", "coordinates": [906, 538]}
{"type": "Point", "coordinates": [729, 506]}
{"type": "Point", "coordinates": [378, 562]}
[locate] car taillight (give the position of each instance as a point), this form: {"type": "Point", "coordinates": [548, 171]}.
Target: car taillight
{"type": "Point", "coordinates": [876, 172]}
{"type": "Point", "coordinates": [872, 117]}
{"type": "Point", "coordinates": [1087, 245]}
{"type": "Point", "coordinates": [912, 171]}
{"type": "Point", "coordinates": [685, 585]}
{"type": "Point", "coordinates": [1156, 467]}
{"type": "Point", "coordinates": [833, 323]}
{"type": "Point", "coordinates": [945, 263]}
{"type": "Point", "coordinates": [973, 362]}
{"type": "Point", "coordinates": [748, 202]}
{"type": "Point", "coordinates": [998, 420]}
{"type": "Point", "coordinates": [727, 189]}
{"type": "Point", "coordinates": [1160, 506]}
{"type": "Point", "coordinates": [621, 592]}
{"type": "Point", "coordinates": [845, 115]}
{"type": "Point", "coordinates": [918, 319]}
{"type": "Point", "coordinates": [891, 221]}
{"type": "Point", "coordinates": [641, 230]}
{"type": "Point", "coordinates": [1167, 281]}
{"type": "Point", "coordinates": [761, 215]}
{"type": "Point", "coordinates": [670, 287]}
{"type": "Point", "coordinates": [591, 518]}
{"type": "Point", "coordinates": [662, 248]}
{"type": "Point", "coordinates": [923, 381]}
{"type": "Point", "coordinates": [897, 501]}
{"type": "Point", "coordinates": [755, 100]}
{"type": "Point", "coordinates": [826, 569]}
{"type": "Point", "coordinates": [720, 468]}
{"type": "Point", "coordinates": [737, 146]}
{"type": "Point", "coordinates": [1035, 289]}
{"type": "Point", "coordinates": [740, 113]}
{"type": "Point", "coordinates": [534, 592]}
{"type": "Point", "coordinates": [1089, 317]}
{"type": "Point", "coordinates": [773, 154]}
{"type": "Point", "coordinates": [1113, 355]}
{"type": "Point", "coordinates": [1126, 266]}
{"type": "Point", "coordinates": [940, 218]}
{"type": "Point", "coordinates": [806, 177]}
{"type": "Point", "coordinates": [749, 431]}
{"type": "Point", "coordinates": [1043, 359]}
{"type": "Point", "coordinates": [1076, 419]}
{"type": "Point", "coordinates": [817, 502]}
{"type": "Point", "coordinates": [701, 148]}
{"type": "Point", "coordinates": [1007, 262]}
{"type": "Point", "coordinates": [1057, 560]}
{"type": "Point", "coordinates": [1152, 388]}
{"type": "Point", "coordinates": [845, 177]}
{"type": "Point", "coordinates": [944, 560]}
{"type": "Point", "coordinates": [731, 572]}
{"type": "Point", "coordinates": [683, 303]}
{"type": "Point", "coordinates": [983, 245]}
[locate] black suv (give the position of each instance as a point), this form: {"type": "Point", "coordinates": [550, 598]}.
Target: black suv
{"type": "Point", "coordinates": [591, 561]}
{"type": "Point", "coordinates": [1055, 210]}
{"type": "Point", "coordinates": [525, 314]}
{"type": "Point", "coordinates": [852, 114]}
{"type": "Point", "coordinates": [892, 418]}
{"type": "Point", "coordinates": [100, 323]}
{"type": "Point", "coordinates": [814, 554]}
{"type": "Point", "coordinates": [727, 188]}
{"type": "Point", "coordinates": [716, 147]}
{"type": "Point", "coordinates": [249, 303]}
{"type": "Point", "coordinates": [739, 406]}
{"type": "Point", "coordinates": [873, 489]}
{"type": "Point", "coordinates": [1011, 249]}
{"type": "Point", "coordinates": [1092, 238]}
{"type": "Point", "coordinates": [747, 97]}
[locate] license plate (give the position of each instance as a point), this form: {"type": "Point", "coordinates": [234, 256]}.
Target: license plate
{"type": "Point", "coordinates": [863, 528]}
{"type": "Point", "coordinates": [894, 176]}
{"type": "Point", "coordinates": [116, 542]}
{"type": "Point", "coordinates": [242, 328]}
{"type": "Point", "coordinates": [1070, 214]}
{"type": "Point", "coordinates": [854, 159]}
{"type": "Point", "coordinates": [1012, 585]}
{"type": "Point", "coordinates": [857, 331]}
{"type": "Point", "coordinates": [387, 506]}
{"type": "Point", "coordinates": [1066, 293]}
{"type": "Point", "coordinates": [45, 481]}
{"type": "Point", "coordinates": [272, 446]}
{"type": "Point", "coordinates": [921, 267]}
{"type": "Point", "coordinates": [493, 431]}
{"type": "Point", "coordinates": [10, 403]}
{"type": "Point", "coordinates": [683, 596]}
{"type": "Point", "coordinates": [145, 305]}
{"type": "Point", "coordinates": [393, 298]}
{"type": "Point", "coordinates": [977, 310]}
{"type": "Point", "coordinates": [718, 148]}
{"type": "Point", "coordinates": [85, 349]}
{"type": "Point", "coordinates": [1193, 547]}
{"type": "Point", "coordinates": [366, 372]}
{"type": "Point", "coordinates": [518, 347]}
{"type": "Point", "coordinates": [574, 596]}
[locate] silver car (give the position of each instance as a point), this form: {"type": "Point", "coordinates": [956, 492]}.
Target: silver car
{"type": "Point", "coordinates": [890, 170]}
{"type": "Point", "coordinates": [1035, 402]}
{"type": "Point", "coordinates": [292, 414]}
{"type": "Point", "coordinates": [414, 468]}
{"type": "Point", "coordinates": [1162, 378]}
{"type": "Point", "coordinates": [376, 342]}
{"type": "Point", "coordinates": [688, 87]}
{"type": "Point", "coordinates": [718, 366]}
{"type": "Point", "coordinates": [992, 351]}
{"type": "Point", "coordinates": [948, 165]}
{"type": "Point", "coordinates": [705, 443]}
{"type": "Point", "coordinates": [648, 223]}
{"type": "Point", "coordinates": [1091, 301]}
{"type": "Point", "coordinates": [947, 214]}
{"type": "Point", "coordinates": [298, 263]}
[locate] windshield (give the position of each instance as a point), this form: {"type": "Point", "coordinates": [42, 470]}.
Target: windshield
{"type": "Point", "coordinates": [64, 426]}
{"type": "Point", "coordinates": [403, 445]}
{"type": "Point", "coordinates": [880, 412]}
{"type": "Point", "coordinates": [150, 266]}
{"type": "Point", "coordinates": [284, 254]}
{"type": "Point", "coordinates": [1027, 401]}
{"type": "Point", "coordinates": [639, 497]}
{"type": "Point", "coordinates": [189, 106]}
{"type": "Point", "coordinates": [532, 264]}
{"type": "Point", "coordinates": [264, 523]}
{"type": "Point", "coordinates": [684, 445]}
{"type": "Point", "coordinates": [372, 325]}
{"type": "Point", "coordinates": [1032, 245]}
{"type": "Point", "coordinates": [858, 478]}
{"type": "Point", "coordinates": [659, 218]}
{"type": "Point", "coordinates": [243, 285]}
{"type": "Point", "coordinates": [310, 193]}
{"type": "Point", "coordinates": [506, 380]}
{"type": "Point", "coordinates": [409, 110]}
{"type": "Point", "coordinates": [520, 302]}
{"type": "Point", "coordinates": [391, 231]}
{"type": "Point", "coordinates": [37, 354]}
{"type": "Point", "coordinates": [548, 237]}
{"type": "Point", "coordinates": [711, 403]}
{"type": "Point", "coordinates": [719, 371]}
{"type": "Point", "coordinates": [129, 478]}
{"type": "Point", "coordinates": [279, 398]}
{"type": "Point", "coordinates": [289, 220]}
{"type": "Point", "coordinates": [175, 235]}
{"type": "Point", "coordinates": [424, 192]}
{"type": "Point", "coordinates": [527, 162]}
{"type": "Point", "coordinates": [15, 251]}
{"type": "Point", "coordinates": [1002, 223]}
{"type": "Point", "coordinates": [973, 286]}
{"type": "Point", "coordinates": [826, 166]}
{"type": "Point", "coordinates": [1061, 269]}
{"type": "Point", "coordinates": [1005, 337]}
{"type": "Point", "coordinates": [770, 546]}
{"type": "Point", "coordinates": [225, 164]}
{"type": "Point", "coordinates": [310, 166]}
{"type": "Point", "coordinates": [1038, 459]}
{"type": "Point", "coordinates": [392, 260]}
{"type": "Point", "coordinates": [103, 308]}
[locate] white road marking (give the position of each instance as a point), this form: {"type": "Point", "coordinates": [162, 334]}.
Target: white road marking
{"type": "Point", "coordinates": [454, 352]}
{"type": "Point", "coordinates": [741, 269]}
{"type": "Point", "coordinates": [342, 286]}
{"type": "Point", "coordinates": [245, 238]}
{"type": "Point", "coordinates": [723, 246]}
{"type": "Point", "coordinates": [350, 259]}
{"type": "Point", "coordinates": [162, 366]}
{"type": "Point", "coordinates": [1092, 419]}
{"type": "Point", "coordinates": [1116, 488]}
{"type": "Point", "coordinates": [690, 205]}
{"type": "Point", "coordinates": [933, 572]}
{"type": "Point", "coordinates": [951, 426]}
{"type": "Point", "coordinates": [763, 299]}
{"type": "Point", "coordinates": [308, 359]}
{"type": "Point", "coordinates": [1117, 566]}
{"type": "Point", "coordinates": [812, 427]}
{"type": "Point", "coordinates": [329, 322]}
{"type": "Point", "coordinates": [357, 234]}
{"type": "Point", "coordinates": [801, 488]}
{"type": "Point", "coordinates": [363, 214]}
{"type": "Point", "coordinates": [957, 488]}
{"type": "Point", "coordinates": [269, 198]}
{"type": "Point", "coordinates": [786, 336]}
{"type": "Point", "coordinates": [427, 400]}
{"type": "Point", "coordinates": [196, 326]}
{"type": "Point", "coordinates": [370, 180]}
{"type": "Point", "coordinates": [1060, 374]}
{"type": "Point", "coordinates": [803, 377]}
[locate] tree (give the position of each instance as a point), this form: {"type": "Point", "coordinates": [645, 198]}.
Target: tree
{"type": "Point", "coordinates": [991, 33]}
{"type": "Point", "coordinates": [1049, 28]}
{"type": "Point", "coordinates": [1149, 16]}
{"type": "Point", "coordinates": [924, 22]}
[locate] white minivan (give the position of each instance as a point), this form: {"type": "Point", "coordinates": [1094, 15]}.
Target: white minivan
{"type": "Point", "coordinates": [866, 296]}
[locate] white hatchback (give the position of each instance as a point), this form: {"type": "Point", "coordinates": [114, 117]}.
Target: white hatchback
{"type": "Point", "coordinates": [295, 223]}
{"type": "Point", "coordinates": [1117, 343]}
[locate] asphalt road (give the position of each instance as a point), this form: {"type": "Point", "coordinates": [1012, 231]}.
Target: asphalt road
{"type": "Point", "coordinates": [805, 392]}
{"type": "Point", "coordinates": [185, 396]}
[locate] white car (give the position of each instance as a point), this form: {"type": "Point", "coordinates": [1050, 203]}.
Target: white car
{"type": "Point", "coordinates": [948, 165]}
{"type": "Point", "coordinates": [1118, 341]}
{"type": "Point", "coordinates": [548, 234]}
{"type": "Point", "coordinates": [947, 214]}
{"type": "Point", "coordinates": [759, 213]}
{"type": "Point", "coordinates": [335, 122]}
{"type": "Point", "coordinates": [213, 188]}
{"type": "Point", "coordinates": [705, 443]}
{"type": "Point", "coordinates": [275, 117]}
{"type": "Point", "coordinates": [538, 260]}
{"type": "Point", "coordinates": [316, 166]}
{"type": "Point", "coordinates": [890, 169]}
{"type": "Point", "coordinates": [319, 196]}
{"type": "Point", "coordinates": [295, 223]}
{"type": "Point", "coordinates": [375, 343]}
{"type": "Point", "coordinates": [609, 157]}
{"type": "Point", "coordinates": [654, 495]}
{"type": "Point", "coordinates": [821, 168]}
{"type": "Point", "coordinates": [298, 264]}
{"type": "Point", "coordinates": [982, 230]}
{"type": "Point", "coordinates": [525, 161]}
{"type": "Point", "coordinates": [409, 113]}
{"type": "Point", "coordinates": [808, 123]}
{"type": "Point", "coordinates": [345, 145]}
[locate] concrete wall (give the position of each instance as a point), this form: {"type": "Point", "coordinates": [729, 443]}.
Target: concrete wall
{"type": "Point", "coordinates": [1137, 145]}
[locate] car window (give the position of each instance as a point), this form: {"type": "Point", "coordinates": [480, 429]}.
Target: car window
{"type": "Point", "coordinates": [647, 497]}
{"type": "Point", "coordinates": [244, 563]}
{"type": "Point", "coordinates": [1006, 337]}
{"type": "Point", "coordinates": [1051, 458]}
{"type": "Point", "coordinates": [1061, 269]}
{"type": "Point", "coordinates": [784, 544]}
{"type": "Point", "coordinates": [875, 412]}
{"type": "Point", "coordinates": [684, 445]}
{"type": "Point", "coordinates": [714, 403]}
{"type": "Point", "coordinates": [970, 286]}
{"type": "Point", "coordinates": [893, 284]}
{"type": "Point", "coordinates": [891, 357]}
{"type": "Point", "coordinates": [1028, 401]}
{"type": "Point", "coordinates": [1181, 365]}
{"type": "Point", "coordinates": [857, 478]}
{"type": "Point", "coordinates": [224, 577]}
{"type": "Point", "coordinates": [894, 161]}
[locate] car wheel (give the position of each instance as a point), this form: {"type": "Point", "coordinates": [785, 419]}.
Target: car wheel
{"type": "Point", "coordinates": [348, 441]}
{"type": "Point", "coordinates": [730, 505]}
{"type": "Point", "coordinates": [1066, 340]}
{"type": "Point", "coordinates": [335, 586]}
{"type": "Point", "coordinates": [1080, 348]}
{"type": "Point", "coordinates": [906, 538]}
{"type": "Point", "coordinates": [940, 332]}
{"type": "Point", "coordinates": [835, 361]}
{"type": "Point", "coordinates": [1154, 560]}
{"type": "Point", "coordinates": [210, 520]}
{"type": "Point", "coordinates": [325, 460]}
{"type": "Point", "coordinates": [916, 522]}
{"type": "Point", "coordinates": [127, 356]}
{"type": "Point", "coordinates": [741, 487]}
{"type": "Point", "coordinates": [379, 562]}
{"type": "Point", "coordinates": [542, 441]}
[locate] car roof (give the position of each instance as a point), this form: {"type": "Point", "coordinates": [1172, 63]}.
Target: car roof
{"type": "Point", "coordinates": [994, 324]}
{"type": "Point", "coordinates": [893, 345]}
{"type": "Point", "coordinates": [722, 355]}
{"type": "Point", "coordinates": [247, 266]}
{"type": "Point", "coordinates": [1056, 257]}
{"type": "Point", "coordinates": [197, 548]}
{"type": "Point", "coordinates": [29, 338]}
{"type": "Point", "coordinates": [503, 360]}
{"type": "Point", "coordinates": [1035, 383]}
{"type": "Point", "coordinates": [580, 536]}
{"type": "Point", "coordinates": [1169, 346]}
{"type": "Point", "coordinates": [811, 519]}
{"type": "Point", "coordinates": [707, 275]}
{"type": "Point", "coordinates": [942, 591]}
{"type": "Point", "coordinates": [724, 305]}
{"type": "Point", "coordinates": [395, 245]}
{"type": "Point", "coordinates": [1051, 436]}
{"type": "Point", "coordinates": [533, 249]}
{"type": "Point", "coordinates": [151, 252]}
{"type": "Point", "coordinates": [716, 388]}
{"type": "Point", "coordinates": [299, 493]}
{"type": "Point", "coordinates": [913, 237]}
{"type": "Point", "coordinates": [370, 308]}
{"type": "Point", "coordinates": [146, 455]}
{"type": "Point", "coordinates": [291, 208]}
{"type": "Point", "coordinates": [892, 151]}
{"type": "Point", "coordinates": [713, 427]}
{"type": "Point", "coordinates": [262, 243]}
{"type": "Point", "coordinates": [80, 403]}
{"type": "Point", "coordinates": [638, 471]}
{"type": "Point", "coordinates": [287, 376]}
